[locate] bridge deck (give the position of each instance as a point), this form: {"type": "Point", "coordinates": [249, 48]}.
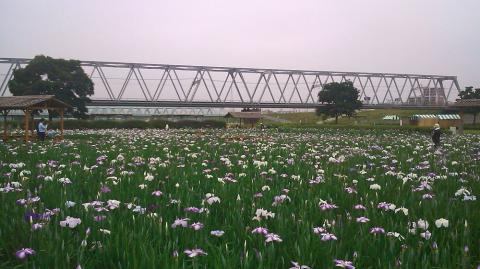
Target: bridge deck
{"type": "Point", "coordinates": [206, 104]}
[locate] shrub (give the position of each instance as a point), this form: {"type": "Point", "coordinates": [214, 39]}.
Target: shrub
{"type": "Point", "coordinates": [471, 126]}
{"type": "Point", "coordinates": [138, 124]}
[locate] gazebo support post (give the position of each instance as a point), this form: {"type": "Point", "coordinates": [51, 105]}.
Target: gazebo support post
{"type": "Point", "coordinates": [32, 126]}
{"type": "Point", "coordinates": [5, 135]}
{"type": "Point", "coordinates": [61, 123]}
{"type": "Point", "coordinates": [27, 118]}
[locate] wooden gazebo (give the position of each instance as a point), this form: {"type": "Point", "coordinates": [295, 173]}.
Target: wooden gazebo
{"type": "Point", "coordinates": [28, 104]}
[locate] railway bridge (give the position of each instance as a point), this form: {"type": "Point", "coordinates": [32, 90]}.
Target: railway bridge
{"type": "Point", "coordinates": [159, 87]}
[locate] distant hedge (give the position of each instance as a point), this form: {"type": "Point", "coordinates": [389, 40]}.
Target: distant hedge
{"type": "Point", "coordinates": [140, 124]}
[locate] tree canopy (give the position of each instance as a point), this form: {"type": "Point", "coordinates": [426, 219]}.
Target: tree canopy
{"type": "Point", "coordinates": [339, 98]}
{"type": "Point", "coordinates": [63, 78]}
{"type": "Point", "coordinates": [470, 93]}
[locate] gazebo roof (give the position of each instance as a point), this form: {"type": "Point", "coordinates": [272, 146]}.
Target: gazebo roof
{"type": "Point", "coordinates": [244, 115]}
{"type": "Point", "coordinates": [31, 101]}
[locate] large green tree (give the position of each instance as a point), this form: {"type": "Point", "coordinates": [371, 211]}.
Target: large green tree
{"type": "Point", "coordinates": [63, 78]}
{"type": "Point", "coordinates": [338, 98]}
{"type": "Point", "coordinates": [470, 93]}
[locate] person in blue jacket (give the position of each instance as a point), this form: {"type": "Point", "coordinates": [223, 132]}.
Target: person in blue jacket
{"type": "Point", "coordinates": [42, 129]}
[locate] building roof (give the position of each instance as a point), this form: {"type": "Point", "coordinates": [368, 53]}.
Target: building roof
{"type": "Point", "coordinates": [439, 117]}
{"type": "Point", "coordinates": [244, 115]}
{"type": "Point", "coordinates": [449, 117]}
{"type": "Point", "coordinates": [31, 101]}
{"type": "Point", "coordinates": [424, 116]}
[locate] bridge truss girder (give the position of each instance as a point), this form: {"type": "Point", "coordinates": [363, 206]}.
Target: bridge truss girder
{"type": "Point", "coordinates": [186, 85]}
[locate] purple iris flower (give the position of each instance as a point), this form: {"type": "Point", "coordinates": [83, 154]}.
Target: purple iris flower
{"type": "Point", "coordinates": [258, 195]}
{"type": "Point", "coordinates": [319, 230]}
{"type": "Point", "coordinates": [24, 252]}
{"type": "Point", "coordinates": [105, 189]}
{"type": "Point", "coordinates": [350, 190]}
{"type": "Point", "coordinates": [328, 237]}
{"type": "Point", "coordinates": [31, 216]}
{"type": "Point", "coordinates": [377, 230]}
{"type": "Point", "coordinates": [344, 264]}
{"type": "Point", "coordinates": [52, 163]}
{"type": "Point", "coordinates": [327, 206]}
{"type": "Point", "coordinates": [217, 233]}
{"type": "Point", "coordinates": [271, 237]}
{"type": "Point", "coordinates": [260, 230]}
{"type": "Point", "coordinates": [110, 171]}
{"type": "Point", "coordinates": [384, 205]}
{"type": "Point", "coordinates": [197, 226]}
{"type": "Point", "coordinates": [99, 218]}
{"type": "Point", "coordinates": [363, 219]}
{"type": "Point", "coordinates": [157, 193]}
{"type": "Point", "coordinates": [37, 226]}
{"type": "Point", "coordinates": [195, 252]}
{"type": "Point", "coordinates": [101, 159]}
{"type": "Point", "coordinates": [180, 222]}
{"type": "Point", "coordinates": [192, 209]}
{"type": "Point", "coordinates": [359, 207]}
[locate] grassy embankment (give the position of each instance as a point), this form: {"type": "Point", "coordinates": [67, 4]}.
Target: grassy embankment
{"type": "Point", "coordinates": [363, 117]}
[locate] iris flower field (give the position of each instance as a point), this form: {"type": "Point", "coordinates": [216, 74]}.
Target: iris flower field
{"type": "Point", "coordinates": [241, 199]}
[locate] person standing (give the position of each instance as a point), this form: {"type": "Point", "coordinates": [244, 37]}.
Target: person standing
{"type": "Point", "coordinates": [436, 135]}
{"type": "Point", "coordinates": [42, 129]}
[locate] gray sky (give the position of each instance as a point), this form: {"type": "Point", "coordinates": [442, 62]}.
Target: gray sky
{"type": "Point", "coordinates": [404, 36]}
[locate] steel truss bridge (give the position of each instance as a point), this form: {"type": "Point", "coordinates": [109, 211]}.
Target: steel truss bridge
{"type": "Point", "coordinates": [159, 86]}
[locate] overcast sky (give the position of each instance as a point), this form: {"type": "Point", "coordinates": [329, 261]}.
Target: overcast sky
{"type": "Point", "coordinates": [404, 36]}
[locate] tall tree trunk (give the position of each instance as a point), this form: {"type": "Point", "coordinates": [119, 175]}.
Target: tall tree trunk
{"type": "Point", "coordinates": [336, 119]}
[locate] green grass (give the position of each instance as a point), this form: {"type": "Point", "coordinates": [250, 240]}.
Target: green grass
{"type": "Point", "coordinates": [188, 164]}
{"type": "Point", "coordinates": [297, 117]}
